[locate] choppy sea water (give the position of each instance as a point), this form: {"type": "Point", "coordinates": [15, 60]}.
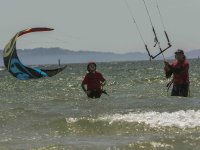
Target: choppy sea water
{"type": "Point", "coordinates": [54, 113]}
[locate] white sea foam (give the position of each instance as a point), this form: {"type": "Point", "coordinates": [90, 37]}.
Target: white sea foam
{"type": "Point", "coordinates": [161, 145]}
{"type": "Point", "coordinates": [180, 119]}
{"type": "Point", "coordinates": [2, 68]}
{"type": "Point", "coordinates": [71, 120]}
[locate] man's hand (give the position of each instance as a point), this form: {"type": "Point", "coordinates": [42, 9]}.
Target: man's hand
{"type": "Point", "coordinates": [166, 63]}
{"type": "Point", "coordinates": [88, 92]}
{"type": "Point", "coordinates": [103, 83]}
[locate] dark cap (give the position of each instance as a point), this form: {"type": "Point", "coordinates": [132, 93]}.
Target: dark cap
{"type": "Point", "coordinates": [179, 51]}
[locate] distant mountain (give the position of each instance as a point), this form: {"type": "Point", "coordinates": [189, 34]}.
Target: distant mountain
{"type": "Point", "coordinates": [52, 55]}
{"type": "Point", "coordinates": [191, 54]}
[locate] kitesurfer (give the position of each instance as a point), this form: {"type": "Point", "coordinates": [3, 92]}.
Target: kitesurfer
{"type": "Point", "coordinates": [94, 82]}
{"type": "Point", "coordinates": [180, 70]}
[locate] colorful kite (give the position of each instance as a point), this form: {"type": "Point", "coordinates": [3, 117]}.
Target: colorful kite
{"type": "Point", "coordinates": [16, 68]}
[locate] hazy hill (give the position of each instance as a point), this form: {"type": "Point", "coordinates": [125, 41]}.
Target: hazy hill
{"type": "Point", "coordinates": [191, 54]}
{"type": "Point", "coordinates": [52, 55]}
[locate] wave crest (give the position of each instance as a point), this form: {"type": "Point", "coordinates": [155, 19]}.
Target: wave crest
{"type": "Point", "coordinates": [179, 119]}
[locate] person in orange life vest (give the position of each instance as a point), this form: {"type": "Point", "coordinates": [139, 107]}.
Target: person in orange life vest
{"type": "Point", "coordinates": [180, 70]}
{"type": "Point", "coordinates": [94, 81]}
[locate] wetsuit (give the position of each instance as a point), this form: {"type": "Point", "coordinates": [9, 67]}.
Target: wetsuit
{"type": "Point", "coordinates": [180, 78]}
{"type": "Point", "coordinates": [94, 84]}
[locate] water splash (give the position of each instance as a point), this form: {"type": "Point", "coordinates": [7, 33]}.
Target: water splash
{"type": "Point", "coordinates": [179, 119]}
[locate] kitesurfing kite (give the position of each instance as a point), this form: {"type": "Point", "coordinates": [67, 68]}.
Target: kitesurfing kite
{"type": "Point", "coordinates": [14, 65]}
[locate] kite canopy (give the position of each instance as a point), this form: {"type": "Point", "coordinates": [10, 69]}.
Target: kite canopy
{"type": "Point", "coordinates": [14, 65]}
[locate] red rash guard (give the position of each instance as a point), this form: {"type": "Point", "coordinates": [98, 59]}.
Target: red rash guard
{"type": "Point", "coordinates": [180, 72]}
{"type": "Point", "coordinates": [93, 80]}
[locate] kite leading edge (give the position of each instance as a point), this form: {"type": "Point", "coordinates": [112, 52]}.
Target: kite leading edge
{"type": "Point", "coordinates": [14, 65]}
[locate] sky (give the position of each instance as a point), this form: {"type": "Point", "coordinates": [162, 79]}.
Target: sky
{"type": "Point", "coordinates": [101, 25]}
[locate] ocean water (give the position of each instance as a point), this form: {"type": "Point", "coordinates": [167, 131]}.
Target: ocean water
{"type": "Point", "coordinates": [139, 114]}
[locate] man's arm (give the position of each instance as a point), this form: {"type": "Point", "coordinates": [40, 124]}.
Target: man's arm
{"type": "Point", "coordinates": [168, 70]}
{"type": "Point", "coordinates": [103, 80]}
{"type": "Point", "coordinates": [83, 87]}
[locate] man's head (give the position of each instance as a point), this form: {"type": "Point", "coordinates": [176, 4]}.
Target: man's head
{"type": "Point", "coordinates": [179, 55]}
{"type": "Point", "coordinates": [91, 67]}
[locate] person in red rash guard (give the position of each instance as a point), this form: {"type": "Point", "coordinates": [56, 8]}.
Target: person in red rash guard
{"type": "Point", "coordinates": [180, 70]}
{"type": "Point", "coordinates": [94, 82]}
